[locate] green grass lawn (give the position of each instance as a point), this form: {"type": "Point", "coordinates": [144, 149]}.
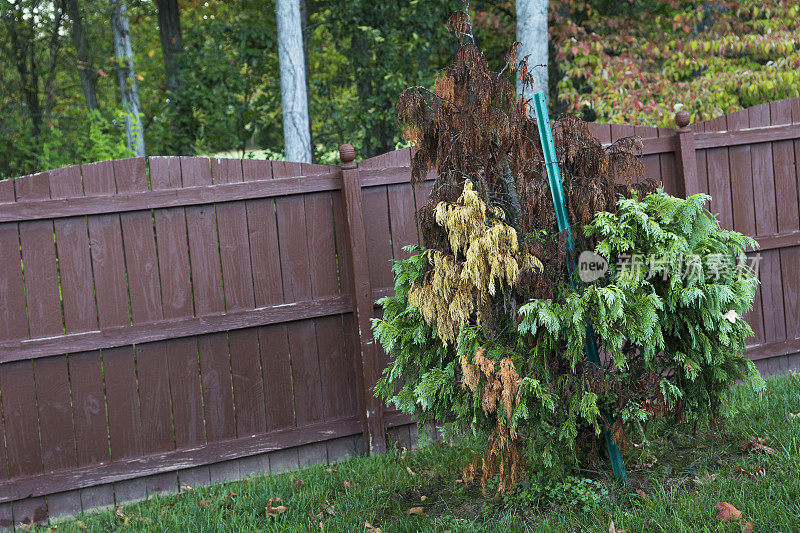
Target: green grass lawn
{"type": "Point", "coordinates": [678, 491]}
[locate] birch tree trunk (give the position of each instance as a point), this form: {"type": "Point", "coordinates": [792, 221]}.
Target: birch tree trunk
{"type": "Point", "coordinates": [533, 39]}
{"type": "Point", "coordinates": [123, 52]}
{"type": "Point", "coordinates": [296, 131]}
{"type": "Point", "coordinates": [86, 71]}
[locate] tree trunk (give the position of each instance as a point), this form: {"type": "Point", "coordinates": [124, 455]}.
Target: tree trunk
{"type": "Point", "coordinates": [532, 36]}
{"type": "Point", "coordinates": [123, 52]}
{"type": "Point", "coordinates": [84, 63]}
{"type": "Point", "coordinates": [304, 22]}
{"type": "Point", "coordinates": [293, 82]}
{"type": "Point", "coordinates": [169, 25]}
{"type": "Point", "coordinates": [22, 47]}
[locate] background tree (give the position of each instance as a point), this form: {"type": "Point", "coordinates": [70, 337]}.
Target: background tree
{"type": "Point", "coordinates": [296, 129]}
{"type": "Point", "coordinates": [533, 40]}
{"type": "Point", "coordinates": [83, 62]}
{"type": "Point", "coordinates": [126, 74]}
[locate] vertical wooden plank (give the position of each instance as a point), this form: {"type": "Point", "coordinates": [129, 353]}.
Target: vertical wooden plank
{"type": "Point", "coordinates": [718, 168]}
{"type": "Point", "coordinates": [668, 163]}
{"type": "Point", "coordinates": [80, 314]}
{"type": "Point", "coordinates": [402, 212]}
{"type": "Point", "coordinates": [204, 254]}
{"type": "Point", "coordinates": [297, 287]}
{"type": "Point", "coordinates": [362, 300]}
{"type": "Point", "coordinates": [237, 275]}
{"type": "Point", "coordinates": [208, 297]}
{"type": "Point", "coordinates": [325, 282]}
{"type": "Point", "coordinates": [788, 221]}
{"type": "Point", "coordinates": [268, 290]}
{"type": "Point", "coordinates": [744, 206]}
{"type": "Point", "coordinates": [119, 371]}
{"type": "Point", "coordinates": [45, 320]}
{"type": "Point", "coordinates": [688, 181]}
{"type": "Point", "coordinates": [23, 448]}
{"type": "Point", "coordinates": [177, 302]}
{"type": "Point", "coordinates": [766, 223]}
{"type": "Point", "coordinates": [701, 162]}
{"type": "Point", "coordinates": [350, 362]}
{"type": "Point", "coordinates": [652, 164]}
{"type": "Point", "coordinates": [144, 287]}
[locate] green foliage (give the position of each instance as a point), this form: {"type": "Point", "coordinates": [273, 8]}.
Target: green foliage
{"type": "Point", "coordinates": [633, 62]}
{"type": "Point", "coordinates": [673, 341]}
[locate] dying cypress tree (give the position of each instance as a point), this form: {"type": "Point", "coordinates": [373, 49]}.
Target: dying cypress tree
{"type": "Point", "coordinates": [485, 329]}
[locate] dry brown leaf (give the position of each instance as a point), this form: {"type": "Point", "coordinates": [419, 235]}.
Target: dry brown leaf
{"type": "Point", "coordinates": [80, 525]}
{"type": "Point", "coordinates": [369, 528]}
{"type": "Point", "coordinates": [416, 510]}
{"type": "Point", "coordinates": [705, 479]}
{"type": "Point", "coordinates": [423, 498]}
{"type": "Point", "coordinates": [746, 527]}
{"type": "Point", "coordinates": [755, 444]}
{"type": "Point", "coordinates": [760, 471]}
{"type": "Point", "coordinates": [186, 487]}
{"type": "Point", "coordinates": [274, 510]}
{"type": "Point", "coordinates": [727, 512]}
{"type": "Point", "coordinates": [410, 472]}
{"type": "Point", "coordinates": [643, 494]}
{"type": "Point", "coordinates": [613, 529]}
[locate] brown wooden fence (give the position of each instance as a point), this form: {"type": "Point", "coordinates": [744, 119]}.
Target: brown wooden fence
{"type": "Point", "coordinates": [186, 320]}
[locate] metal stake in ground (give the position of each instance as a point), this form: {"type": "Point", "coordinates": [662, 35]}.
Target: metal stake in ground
{"type": "Point", "coordinates": [562, 217]}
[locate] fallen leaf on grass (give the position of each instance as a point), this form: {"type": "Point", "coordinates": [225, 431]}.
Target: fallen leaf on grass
{"type": "Point", "coordinates": [416, 510]}
{"type": "Point", "coordinates": [186, 487]}
{"type": "Point", "coordinates": [369, 528]}
{"type": "Point", "coordinates": [761, 471]}
{"type": "Point", "coordinates": [272, 510]}
{"type": "Point", "coordinates": [643, 494]}
{"type": "Point", "coordinates": [754, 444]}
{"type": "Point", "coordinates": [613, 529]}
{"type": "Point", "coordinates": [727, 512]}
{"type": "Point", "coordinates": [122, 515]}
{"type": "Point", "coordinates": [80, 524]}
{"type": "Point", "coordinates": [746, 527]}
{"type": "Point", "coordinates": [705, 480]}
{"type": "Point", "coordinates": [423, 498]}
{"type": "Point", "coordinates": [410, 472]}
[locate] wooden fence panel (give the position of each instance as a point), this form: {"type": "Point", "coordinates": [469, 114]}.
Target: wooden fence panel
{"type": "Point", "coordinates": [225, 336]}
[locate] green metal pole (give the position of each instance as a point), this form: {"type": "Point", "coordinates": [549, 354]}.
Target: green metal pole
{"type": "Point", "coordinates": [562, 217]}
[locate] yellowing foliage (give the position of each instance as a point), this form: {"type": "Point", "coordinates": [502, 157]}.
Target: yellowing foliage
{"type": "Point", "coordinates": [485, 257]}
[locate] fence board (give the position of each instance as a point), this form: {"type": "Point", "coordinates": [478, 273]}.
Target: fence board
{"type": "Point", "coordinates": [268, 289]}
{"type": "Point", "coordinates": [765, 203]}
{"type": "Point", "coordinates": [237, 275]}
{"type": "Point", "coordinates": [204, 259]}
{"type": "Point", "coordinates": [306, 383]}
{"type": "Point", "coordinates": [51, 375]}
{"type": "Point", "coordinates": [85, 371]}
{"type": "Point", "coordinates": [177, 302]}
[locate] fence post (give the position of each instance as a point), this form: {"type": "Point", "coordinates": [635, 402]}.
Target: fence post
{"type": "Point", "coordinates": [363, 306]}
{"type": "Point", "coordinates": [685, 157]}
